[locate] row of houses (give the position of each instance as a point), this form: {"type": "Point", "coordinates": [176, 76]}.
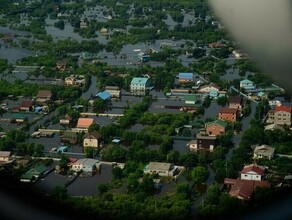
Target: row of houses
{"type": "Point", "coordinates": [206, 138]}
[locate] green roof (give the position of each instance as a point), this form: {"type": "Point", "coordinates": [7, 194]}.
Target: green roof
{"type": "Point", "coordinates": [18, 116]}
{"type": "Point", "coordinates": [34, 172]}
{"type": "Point", "coordinates": [219, 122]}
{"type": "Point", "coordinates": [190, 98]}
{"type": "Point", "coordinates": [139, 80]}
{"type": "Point", "coordinates": [69, 134]}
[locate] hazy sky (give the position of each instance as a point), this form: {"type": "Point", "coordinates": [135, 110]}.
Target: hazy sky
{"type": "Point", "coordinates": [264, 29]}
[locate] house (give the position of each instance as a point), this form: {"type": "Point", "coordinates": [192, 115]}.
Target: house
{"type": "Point", "coordinates": [84, 123]}
{"type": "Point", "coordinates": [192, 100]}
{"type": "Point", "coordinates": [18, 118]}
{"type": "Point", "coordinates": [26, 106]}
{"type": "Point", "coordinates": [236, 102]}
{"type": "Point", "coordinates": [103, 95]}
{"type": "Point", "coordinates": [92, 139]}
{"type": "Point", "coordinates": [33, 174]}
{"type": "Point", "coordinates": [216, 45]}
{"type": "Point", "coordinates": [273, 127]}
{"type": "Point", "coordinates": [203, 142]}
{"type": "Point", "coordinates": [103, 31]}
{"type": "Point", "coordinates": [62, 65]}
{"type": "Point", "coordinates": [247, 85]}
{"type": "Point", "coordinates": [75, 80]}
{"type": "Point", "coordinates": [162, 169]}
{"type": "Point", "coordinates": [216, 128]}
{"type": "Point", "coordinates": [263, 151]}
{"type": "Point", "coordinates": [65, 120]}
{"type": "Point", "coordinates": [69, 137]}
{"type": "Point", "coordinates": [7, 37]}
{"type": "Point", "coordinates": [243, 189]}
{"type": "Point", "coordinates": [228, 114]}
{"type": "Point", "coordinates": [281, 115]}
{"type": "Point", "coordinates": [143, 57]}
{"type": "Point", "coordinates": [44, 96]}
{"type": "Point", "coordinates": [252, 172]}
{"type": "Point", "coordinates": [140, 86]}
{"type": "Point", "coordinates": [4, 156]}
{"type": "Point", "coordinates": [185, 77]}
{"type": "Point", "coordinates": [86, 165]}
{"type": "Point", "coordinates": [237, 54]}
{"type": "Point", "coordinates": [114, 91]}
{"type": "Point", "coordinates": [208, 88]}
{"type": "Point", "coordinates": [83, 24]}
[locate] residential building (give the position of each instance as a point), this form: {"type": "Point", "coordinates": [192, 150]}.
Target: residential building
{"type": "Point", "coordinates": [103, 95]}
{"type": "Point", "coordinates": [208, 88]}
{"type": "Point", "coordinates": [250, 178]}
{"type": "Point", "coordinates": [264, 152]}
{"type": "Point", "coordinates": [140, 86]}
{"type": "Point", "coordinates": [69, 137]}
{"type": "Point", "coordinates": [203, 142]}
{"type": "Point", "coordinates": [86, 165]}
{"type": "Point", "coordinates": [62, 65]}
{"type": "Point", "coordinates": [247, 85]}
{"type": "Point", "coordinates": [26, 106]}
{"type": "Point", "coordinates": [84, 123]}
{"type": "Point", "coordinates": [114, 91]}
{"type": "Point", "coordinates": [216, 45]}
{"type": "Point", "coordinates": [65, 120]}
{"type": "Point", "coordinates": [143, 57]}
{"type": "Point", "coordinates": [83, 24]}
{"type": "Point", "coordinates": [44, 96]}
{"type": "Point", "coordinates": [281, 115]}
{"type": "Point", "coordinates": [236, 102]}
{"type": "Point", "coordinates": [243, 189]}
{"type": "Point", "coordinates": [185, 77]}
{"type": "Point", "coordinates": [92, 139]}
{"type": "Point", "coordinates": [75, 80]}
{"type": "Point", "coordinates": [4, 156]}
{"type": "Point", "coordinates": [18, 118]}
{"type": "Point", "coordinates": [273, 127]}
{"type": "Point", "coordinates": [216, 127]}
{"type": "Point", "coordinates": [192, 100]}
{"type": "Point", "coordinates": [252, 172]}
{"type": "Point", "coordinates": [33, 174]}
{"type": "Point", "coordinates": [162, 169]}
{"type": "Point", "coordinates": [228, 114]}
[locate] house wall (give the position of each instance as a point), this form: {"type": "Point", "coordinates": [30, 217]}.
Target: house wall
{"type": "Point", "coordinates": [159, 172]}
{"type": "Point", "coordinates": [4, 159]}
{"type": "Point", "coordinates": [90, 142]}
{"type": "Point", "coordinates": [208, 89]}
{"type": "Point", "coordinates": [227, 116]}
{"type": "Point", "coordinates": [64, 121]}
{"type": "Point", "coordinates": [251, 176]}
{"type": "Point", "coordinates": [205, 144]}
{"type": "Point", "coordinates": [215, 129]}
{"type": "Point", "coordinates": [282, 118]}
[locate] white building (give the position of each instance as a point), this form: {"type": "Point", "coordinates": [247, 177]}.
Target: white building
{"type": "Point", "coordinates": [252, 172]}
{"type": "Point", "coordinates": [162, 169]}
{"type": "Point", "coordinates": [87, 165]}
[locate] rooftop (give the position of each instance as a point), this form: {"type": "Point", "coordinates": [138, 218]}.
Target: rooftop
{"type": "Point", "coordinates": [264, 150]}
{"type": "Point", "coordinates": [5, 153]}
{"type": "Point", "coordinates": [139, 80]}
{"type": "Point", "coordinates": [159, 166]}
{"type": "Point", "coordinates": [253, 168]}
{"type": "Point", "coordinates": [103, 95]}
{"type": "Point", "coordinates": [235, 100]}
{"type": "Point", "coordinates": [217, 122]}
{"type": "Point", "coordinates": [283, 108]}
{"type": "Point", "coordinates": [185, 75]}
{"type": "Point", "coordinates": [228, 110]}
{"type": "Point", "coordinates": [26, 104]}
{"type": "Point", "coordinates": [84, 122]}
{"type": "Point", "coordinates": [94, 134]}
{"type": "Point", "coordinates": [44, 94]}
{"type": "Point", "coordinates": [86, 162]}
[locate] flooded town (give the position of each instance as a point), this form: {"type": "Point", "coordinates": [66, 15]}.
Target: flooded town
{"type": "Point", "coordinates": [143, 109]}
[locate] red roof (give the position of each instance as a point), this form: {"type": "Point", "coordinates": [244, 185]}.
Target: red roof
{"type": "Point", "coordinates": [244, 188]}
{"type": "Point", "coordinates": [228, 110]}
{"type": "Point", "coordinates": [84, 122]}
{"type": "Point", "coordinates": [26, 104]}
{"type": "Point", "coordinates": [253, 168]}
{"type": "Point", "coordinates": [44, 94]}
{"type": "Point", "coordinates": [283, 108]}
{"type": "Point", "coordinates": [211, 85]}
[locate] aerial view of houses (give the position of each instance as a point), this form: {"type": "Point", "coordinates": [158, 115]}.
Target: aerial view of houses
{"type": "Point", "coordinates": [137, 109]}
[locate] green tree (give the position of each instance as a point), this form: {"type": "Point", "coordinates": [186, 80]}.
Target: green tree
{"type": "Point", "coordinates": [199, 174]}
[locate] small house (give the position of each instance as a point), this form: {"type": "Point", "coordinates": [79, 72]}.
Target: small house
{"type": "Point", "coordinates": [162, 169]}
{"type": "Point", "coordinates": [114, 91]}
{"type": "Point", "coordinates": [281, 115]}
{"type": "Point", "coordinates": [203, 142]}
{"type": "Point", "coordinates": [252, 172]}
{"type": "Point", "coordinates": [92, 139]}
{"type": "Point", "coordinates": [140, 86]}
{"type": "Point", "coordinates": [26, 106]}
{"type": "Point", "coordinates": [228, 114]}
{"type": "Point", "coordinates": [208, 88]}
{"type": "Point", "coordinates": [4, 156]}
{"type": "Point", "coordinates": [264, 152]}
{"type": "Point", "coordinates": [44, 96]}
{"type": "Point", "coordinates": [65, 120]}
{"type": "Point", "coordinates": [86, 165]}
{"type": "Point", "coordinates": [247, 85]}
{"type": "Point", "coordinates": [185, 77]}
{"type": "Point", "coordinates": [236, 102]}
{"type": "Point", "coordinates": [69, 137]}
{"type": "Point", "coordinates": [216, 127]}
{"type": "Point", "coordinates": [104, 95]}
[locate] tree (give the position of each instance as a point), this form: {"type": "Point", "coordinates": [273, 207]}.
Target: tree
{"type": "Point", "coordinates": [102, 188]}
{"type": "Point", "coordinates": [222, 100]}
{"type": "Point", "coordinates": [90, 152]}
{"type": "Point", "coordinates": [117, 173]}
{"type": "Point", "coordinates": [59, 193]}
{"type": "Point", "coordinates": [94, 127]}
{"type": "Point", "coordinates": [199, 174]}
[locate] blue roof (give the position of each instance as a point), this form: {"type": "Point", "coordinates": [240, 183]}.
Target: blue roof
{"type": "Point", "coordinates": [104, 95]}
{"type": "Point", "coordinates": [139, 80]}
{"type": "Point", "coordinates": [213, 92]}
{"type": "Point", "coordinates": [186, 76]}
{"type": "Point", "coordinates": [246, 81]}
{"type": "Point", "coordinates": [62, 149]}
